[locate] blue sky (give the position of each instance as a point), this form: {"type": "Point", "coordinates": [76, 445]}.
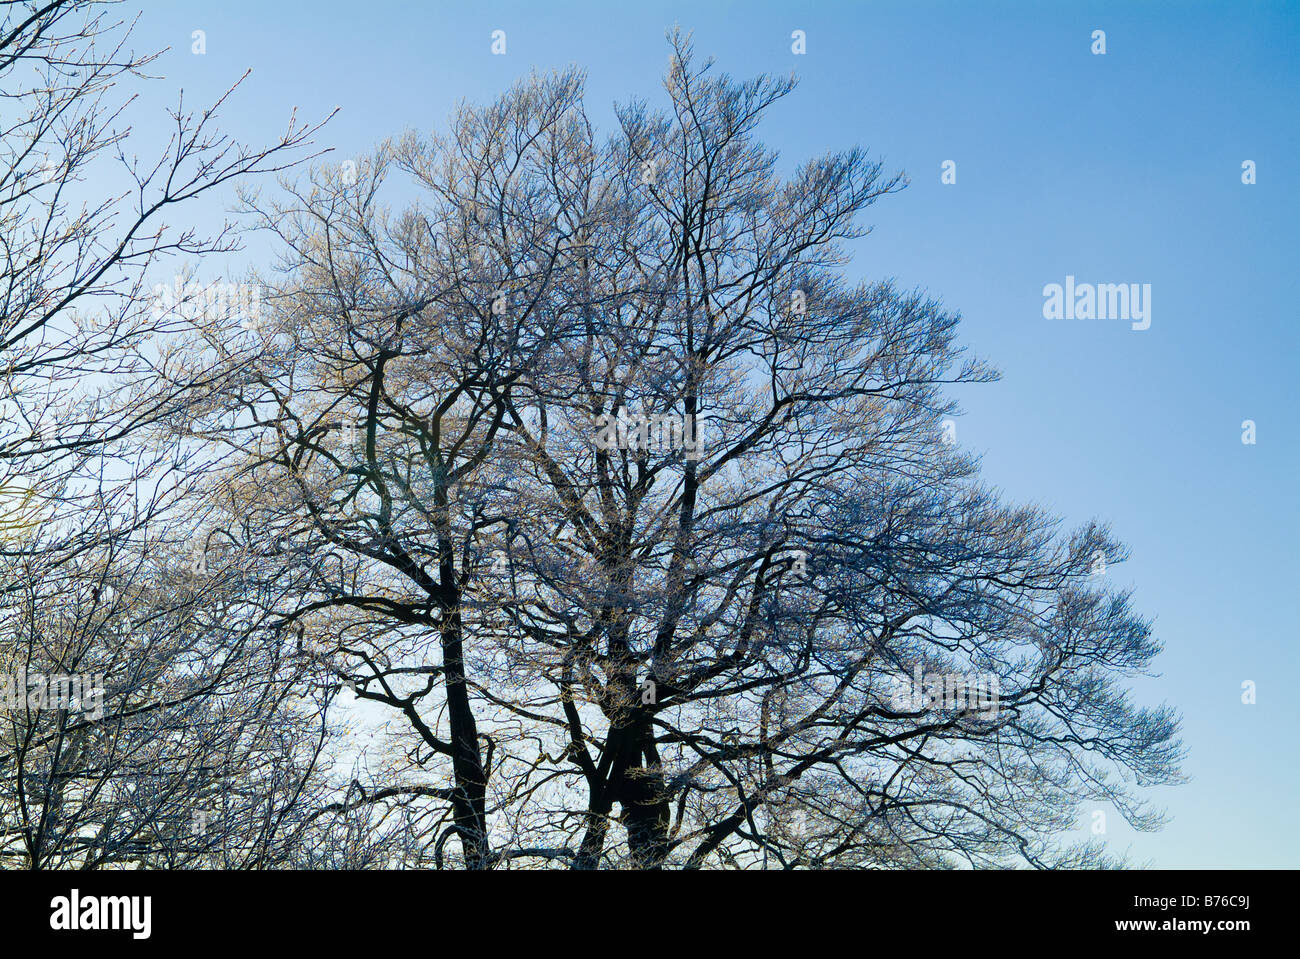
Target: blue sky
{"type": "Point", "coordinates": [1122, 168]}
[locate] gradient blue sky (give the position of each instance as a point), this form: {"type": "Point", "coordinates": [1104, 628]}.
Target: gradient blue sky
{"type": "Point", "coordinates": [1117, 168]}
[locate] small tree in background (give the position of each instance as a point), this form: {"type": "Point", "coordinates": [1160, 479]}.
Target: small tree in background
{"type": "Point", "coordinates": [93, 581]}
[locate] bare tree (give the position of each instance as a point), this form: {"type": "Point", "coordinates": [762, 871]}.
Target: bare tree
{"type": "Point", "coordinates": [637, 516]}
{"type": "Point", "coordinates": [122, 695]}
{"type": "Point", "coordinates": [150, 716]}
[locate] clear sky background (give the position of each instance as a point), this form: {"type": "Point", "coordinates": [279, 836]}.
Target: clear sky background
{"type": "Point", "coordinates": [1122, 168]}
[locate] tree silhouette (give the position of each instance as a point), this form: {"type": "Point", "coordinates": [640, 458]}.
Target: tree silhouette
{"type": "Point", "coordinates": [654, 548]}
